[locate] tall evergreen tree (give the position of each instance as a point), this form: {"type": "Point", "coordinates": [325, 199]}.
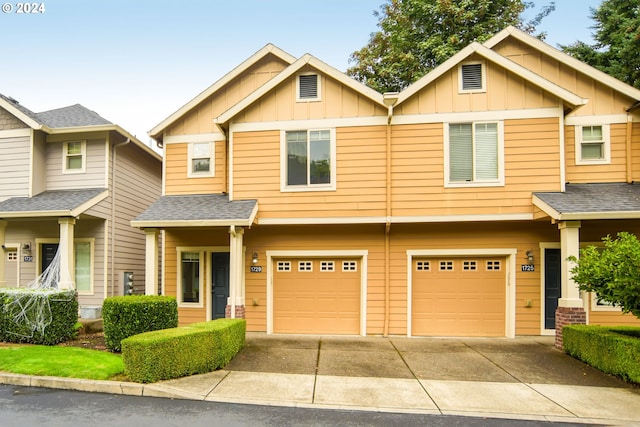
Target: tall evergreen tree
{"type": "Point", "coordinates": [617, 35]}
{"type": "Point", "coordinates": [417, 35]}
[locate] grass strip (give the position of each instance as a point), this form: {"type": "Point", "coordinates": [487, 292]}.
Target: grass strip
{"type": "Point", "coordinates": [57, 361]}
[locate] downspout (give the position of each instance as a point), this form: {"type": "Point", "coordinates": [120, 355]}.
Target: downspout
{"type": "Point", "coordinates": [628, 148]}
{"type": "Point", "coordinates": [113, 214]}
{"type": "Point", "coordinates": [390, 98]}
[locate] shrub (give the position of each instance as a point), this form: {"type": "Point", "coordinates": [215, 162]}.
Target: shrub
{"type": "Point", "coordinates": [125, 316]}
{"type": "Point", "coordinates": [38, 316]}
{"type": "Point", "coordinates": [178, 352]}
{"type": "Point", "coordinates": [613, 350]}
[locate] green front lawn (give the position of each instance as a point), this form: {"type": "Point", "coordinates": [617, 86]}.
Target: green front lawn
{"type": "Point", "coordinates": [56, 361]}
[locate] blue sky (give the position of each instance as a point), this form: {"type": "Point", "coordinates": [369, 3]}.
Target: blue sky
{"type": "Point", "coordinates": [136, 62]}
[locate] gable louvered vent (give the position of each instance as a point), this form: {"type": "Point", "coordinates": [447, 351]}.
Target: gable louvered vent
{"type": "Point", "coordinates": [308, 86]}
{"type": "Point", "coordinates": [472, 77]}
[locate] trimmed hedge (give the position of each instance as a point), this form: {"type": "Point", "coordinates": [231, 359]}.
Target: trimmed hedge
{"type": "Point", "coordinates": [613, 350]}
{"type": "Point", "coordinates": [38, 316]}
{"type": "Point", "coordinates": [125, 316]}
{"type": "Point", "coordinates": [178, 352]}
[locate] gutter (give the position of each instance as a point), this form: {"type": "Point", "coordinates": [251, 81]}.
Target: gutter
{"type": "Point", "coordinates": [113, 214]}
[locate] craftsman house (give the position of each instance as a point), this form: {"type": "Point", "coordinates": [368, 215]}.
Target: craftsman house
{"type": "Point", "coordinates": [305, 202]}
{"type": "Point", "coordinates": [70, 183]}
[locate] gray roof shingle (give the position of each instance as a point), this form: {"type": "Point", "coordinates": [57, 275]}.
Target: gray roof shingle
{"type": "Point", "coordinates": [593, 198]}
{"type": "Point", "coordinates": [48, 201]}
{"type": "Point", "coordinates": [22, 109]}
{"type": "Point", "coordinates": [72, 116]}
{"type": "Point", "coordinates": [200, 207]}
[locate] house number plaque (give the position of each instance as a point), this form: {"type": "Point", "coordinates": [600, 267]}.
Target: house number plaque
{"type": "Point", "coordinates": [527, 267]}
{"type": "Point", "coordinates": [255, 269]}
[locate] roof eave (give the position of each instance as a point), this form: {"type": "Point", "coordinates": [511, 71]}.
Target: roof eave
{"type": "Point", "coordinates": [157, 131]}
{"type": "Point", "coordinates": [241, 222]}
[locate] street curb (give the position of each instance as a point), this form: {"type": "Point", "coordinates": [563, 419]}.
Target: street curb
{"type": "Point", "coordinates": [94, 386]}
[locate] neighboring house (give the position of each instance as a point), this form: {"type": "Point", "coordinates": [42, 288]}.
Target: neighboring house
{"type": "Point", "coordinates": [306, 202]}
{"type": "Point", "coordinates": [72, 181]}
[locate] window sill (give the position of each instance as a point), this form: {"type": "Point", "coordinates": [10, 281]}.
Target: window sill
{"type": "Point", "coordinates": [474, 184]}
{"type": "Point", "coordinates": [303, 189]}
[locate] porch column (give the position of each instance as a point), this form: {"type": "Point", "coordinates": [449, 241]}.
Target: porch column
{"type": "Point", "coordinates": [151, 261]}
{"type": "Point", "coordinates": [67, 258]}
{"type": "Point", "coordinates": [570, 306]}
{"type": "Point", "coordinates": [235, 304]}
{"type": "Point", "coordinates": [3, 229]}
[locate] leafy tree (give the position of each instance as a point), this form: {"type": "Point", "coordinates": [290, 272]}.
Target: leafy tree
{"type": "Point", "coordinates": [617, 35]}
{"type": "Point", "coordinates": [418, 35]}
{"type": "Point", "coordinates": [613, 272]}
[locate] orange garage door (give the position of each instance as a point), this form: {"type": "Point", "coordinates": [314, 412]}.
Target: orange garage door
{"type": "Point", "coordinates": [458, 297]}
{"type": "Point", "coordinates": [316, 296]}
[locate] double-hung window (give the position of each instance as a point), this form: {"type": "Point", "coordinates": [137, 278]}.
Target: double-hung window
{"type": "Point", "coordinates": [308, 160]}
{"type": "Point", "coordinates": [592, 144]}
{"type": "Point", "coordinates": [201, 159]}
{"type": "Point", "coordinates": [474, 154]}
{"type": "Point", "coordinates": [73, 156]}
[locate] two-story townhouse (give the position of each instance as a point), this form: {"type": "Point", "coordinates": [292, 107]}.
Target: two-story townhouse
{"type": "Point", "coordinates": [305, 202]}
{"type": "Point", "coordinates": [70, 183]}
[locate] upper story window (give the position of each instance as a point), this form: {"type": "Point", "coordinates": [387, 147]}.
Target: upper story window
{"type": "Point", "coordinates": [474, 154]}
{"type": "Point", "coordinates": [74, 156]}
{"type": "Point", "coordinates": [592, 144]}
{"type": "Point", "coordinates": [308, 87]}
{"type": "Point", "coordinates": [308, 160]}
{"type": "Point", "coordinates": [201, 159]}
{"type": "Point", "coordinates": [472, 77]}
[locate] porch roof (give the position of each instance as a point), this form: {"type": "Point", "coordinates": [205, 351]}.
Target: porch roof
{"type": "Point", "coordinates": [591, 201]}
{"type": "Point", "coordinates": [54, 203]}
{"type": "Point", "coordinates": [199, 210]}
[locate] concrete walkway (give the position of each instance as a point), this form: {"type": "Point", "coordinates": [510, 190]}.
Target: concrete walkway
{"type": "Point", "coordinates": [522, 378]}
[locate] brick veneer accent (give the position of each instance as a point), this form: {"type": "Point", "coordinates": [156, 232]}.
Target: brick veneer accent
{"type": "Point", "coordinates": [239, 312]}
{"type": "Point", "coordinates": [568, 316]}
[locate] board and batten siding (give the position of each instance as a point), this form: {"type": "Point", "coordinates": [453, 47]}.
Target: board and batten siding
{"type": "Point", "coordinates": [505, 91]}
{"type": "Point", "coordinates": [200, 119]}
{"type": "Point", "coordinates": [360, 176]}
{"type": "Point", "coordinates": [602, 99]}
{"type": "Point", "coordinates": [336, 101]}
{"type": "Point", "coordinates": [94, 175]}
{"type": "Point", "coordinates": [177, 180]}
{"type": "Point", "coordinates": [14, 166]}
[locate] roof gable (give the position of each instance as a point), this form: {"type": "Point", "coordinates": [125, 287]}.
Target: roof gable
{"type": "Point", "coordinates": [269, 49]}
{"type": "Point", "coordinates": [72, 116]}
{"type": "Point", "coordinates": [568, 97]}
{"type": "Point", "coordinates": [291, 71]}
{"type": "Point", "coordinates": [565, 59]}
{"type": "Point", "coordinates": [22, 113]}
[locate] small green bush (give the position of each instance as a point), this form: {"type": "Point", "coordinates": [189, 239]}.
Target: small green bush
{"type": "Point", "coordinates": [178, 352]}
{"type": "Point", "coordinates": [125, 316]}
{"type": "Point", "coordinates": [37, 316]}
{"type": "Point", "coordinates": [612, 350]}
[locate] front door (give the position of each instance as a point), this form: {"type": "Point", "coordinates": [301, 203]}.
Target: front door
{"type": "Point", "coordinates": [219, 284]}
{"type": "Point", "coordinates": [48, 251]}
{"type": "Point", "coordinates": [552, 286]}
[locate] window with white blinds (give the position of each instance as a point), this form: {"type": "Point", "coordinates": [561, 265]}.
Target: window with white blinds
{"type": "Point", "coordinates": [474, 152]}
{"type": "Point", "coordinates": [593, 144]}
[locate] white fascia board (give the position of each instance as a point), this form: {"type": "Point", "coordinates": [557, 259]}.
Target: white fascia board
{"type": "Point", "coordinates": [20, 115]}
{"type": "Point", "coordinates": [498, 59]}
{"type": "Point", "coordinates": [192, 223]}
{"type": "Point", "coordinates": [566, 59]}
{"type": "Point", "coordinates": [291, 71]}
{"type": "Point", "coordinates": [395, 219]}
{"type": "Point", "coordinates": [268, 49]}
{"type": "Point", "coordinates": [90, 203]}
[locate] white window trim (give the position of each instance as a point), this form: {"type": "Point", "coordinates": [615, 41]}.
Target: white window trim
{"type": "Point", "coordinates": [284, 188]}
{"type": "Point", "coordinates": [212, 159]}
{"type": "Point", "coordinates": [483, 71]}
{"type": "Point", "coordinates": [202, 272]}
{"type": "Point", "coordinates": [606, 149]}
{"type": "Point", "coordinates": [38, 259]}
{"type": "Point", "coordinates": [500, 182]}
{"type": "Point", "coordinates": [319, 88]}
{"type": "Point", "coordinates": [83, 154]}
{"type": "Point", "coordinates": [91, 264]}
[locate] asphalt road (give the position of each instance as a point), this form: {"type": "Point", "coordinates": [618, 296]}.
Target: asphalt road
{"type": "Point", "coordinates": [32, 406]}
